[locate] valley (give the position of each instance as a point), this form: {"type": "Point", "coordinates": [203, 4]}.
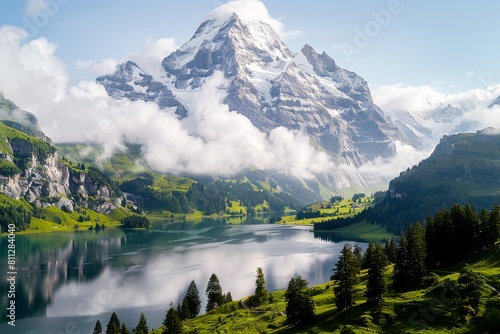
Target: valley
{"type": "Point", "coordinates": [351, 190]}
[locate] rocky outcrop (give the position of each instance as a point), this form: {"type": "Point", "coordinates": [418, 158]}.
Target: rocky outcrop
{"type": "Point", "coordinates": [48, 182]}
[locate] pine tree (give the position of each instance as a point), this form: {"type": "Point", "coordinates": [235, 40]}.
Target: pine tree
{"type": "Point", "coordinates": [261, 293]}
{"type": "Point", "coordinates": [214, 293]}
{"type": "Point", "coordinates": [492, 226]}
{"type": "Point", "coordinates": [228, 298]}
{"type": "Point", "coordinates": [300, 306]}
{"type": "Point", "coordinates": [193, 299]}
{"type": "Point", "coordinates": [391, 249]}
{"type": "Point", "coordinates": [113, 326]}
{"type": "Point", "coordinates": [376, 286]}
{"type": "Point", "coordinates": [179, 310]}
{"type": "Point", "coordinates": [172, 323]}
{"type": "Point", "coordinates": [368, 255]}
{"type": "Point", "coordinates": [97, 328]}
{"type": "Point", "coordinates": [401, 266]}
{"type": "Point", "coordinates": [417, 256]}
{"type": "Point", "coordinates": [142, 325]}
{"type": "Point", "coordinates": [483, 236]}
{"type": "Point", "coordinates": [358, 256]}
{"type": "Point", "coordinates": [184, 312]}
{"type": "Point", "coordinates": [346, 274]}
{"type": "Point", "coordinates": [124, 329]}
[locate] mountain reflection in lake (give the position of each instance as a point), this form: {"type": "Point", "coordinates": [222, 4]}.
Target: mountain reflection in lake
{"type": "Point", "coordinates": [85, 274]}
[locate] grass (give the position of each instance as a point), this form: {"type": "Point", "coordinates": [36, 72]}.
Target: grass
{"type": "Point", "coordinates": [6, 201]}
{"type": "Point", "coordinates": [55, 219]}
{"type": "Point", "coordinates": [236, 208]}
{"type": "Point", "coordinates": [9, 133]}
{"type": "Point", "coordinates": [40, 225]}
{"type": "Point", "coordinates": [123, 167]}
{"type": "Point", "coordinates": [487, 263]}
{"type": "Point", "coordinates": [397, 313]}
{"type": "Point", "coordinates": [118, 214]}
{"type": "Point", "coordinates": [7, 168]}
{"type": "Point", "coordinates": [364, 231]}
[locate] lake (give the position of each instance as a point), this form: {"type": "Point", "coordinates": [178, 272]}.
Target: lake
{"type": "Point", "coordinates": [66, 281]}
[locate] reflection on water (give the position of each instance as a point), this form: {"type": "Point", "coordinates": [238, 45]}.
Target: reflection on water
{"type": "Point", "coordinates": [85, 274]}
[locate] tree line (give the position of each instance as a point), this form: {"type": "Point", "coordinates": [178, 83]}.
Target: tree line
{"type": "Point", "coordinates": [16, 215]}
{"type": "Point", "coordinates": [136, 221]}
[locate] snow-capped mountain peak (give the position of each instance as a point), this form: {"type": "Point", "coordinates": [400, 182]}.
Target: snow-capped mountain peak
{"type": "Point", "coordinates": [225, 45]}
{"type": "Point", "coordinates": [273, 87]}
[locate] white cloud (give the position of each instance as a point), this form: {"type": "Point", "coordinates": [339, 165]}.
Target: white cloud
{"type": "Point", "coordinates": [29, 71]}
{"type": "Point", "coordinates": [154, 51]}
{"type": "Point", "coordinates": [218, 141]}
{"type": "Point", "coordinates": [422, 102]}
{"type": "Point", "coordinates": [396, 98]}
{"type": "Point", "coordinates": [149, 59]}
{"type": "Point", "coordinates": [102, 67]}
{"type": "Point", "coordinates": [252, 10]}
{"type": "Point", "coordinates": [406, 156]}
{"type": "Point", "coordinates": [223, 142]}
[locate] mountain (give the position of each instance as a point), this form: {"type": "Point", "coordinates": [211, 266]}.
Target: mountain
{"type": "Point", "coordinates": [31, 169]}
{"type": "Point", "coordinates": [272, 86]}
{"type": "Point", "coordinates": [426, 127]}
{"type": "Point", "coordinates": [130, 82]}
{"type": "Point", "coordinates": [464, 168]}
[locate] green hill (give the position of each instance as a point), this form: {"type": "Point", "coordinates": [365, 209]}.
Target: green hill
{"type": "Point", "coordinates": [464, 168]}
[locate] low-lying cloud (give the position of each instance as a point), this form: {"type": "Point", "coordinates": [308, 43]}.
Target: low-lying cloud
{"type": "Point", "coordinates": [420, 99]}
{"type": "Point", "coordinates": [406, 156]}
{"type": "Point", "coordinates": [212, 140]}
{"type": "Point", "coordinates": [474, 104]}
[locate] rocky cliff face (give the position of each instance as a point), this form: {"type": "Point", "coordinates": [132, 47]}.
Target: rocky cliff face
{"type": "Point", "coordinates": [31, 169]}
{"type": "Point", "coordinates": [50, 182]}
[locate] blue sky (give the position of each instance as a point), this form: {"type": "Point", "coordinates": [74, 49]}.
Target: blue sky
{"type": "Point", "coordinates": [450, 45]}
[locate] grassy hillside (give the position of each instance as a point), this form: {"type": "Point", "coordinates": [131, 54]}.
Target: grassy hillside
{"type": "Point", "coordinates": [425, 310]}
{"type": "Point", "coordinates": [53, 219]}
